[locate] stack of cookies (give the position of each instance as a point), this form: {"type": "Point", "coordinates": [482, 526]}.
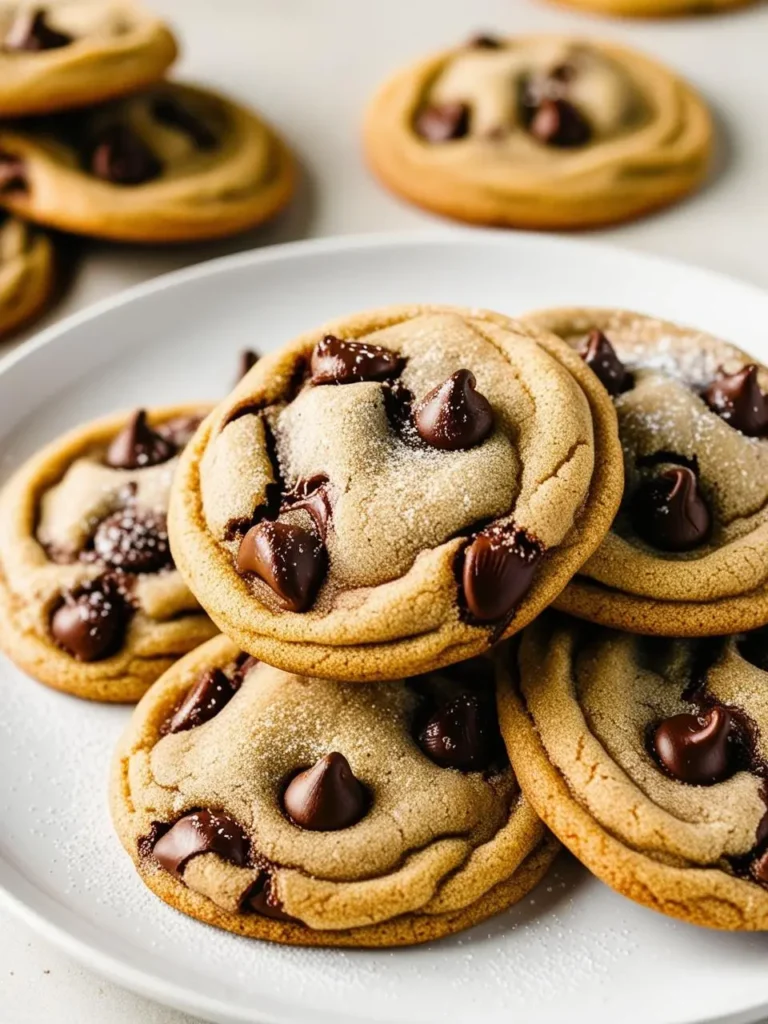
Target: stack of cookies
{"type": "Point", "coordinates": [392, 733]}
{"type": "Point", "coordinates": [94, 141]}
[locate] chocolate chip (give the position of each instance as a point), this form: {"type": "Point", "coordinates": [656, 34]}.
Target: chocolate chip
{"type": "Point", "coordinates": [699, 749]}
{"type": "Point", "coordinates": [499, 566]}
{"type": "Point", "coordinates": [13, 172]}
{"type": "Point", "coordinates": [213, 691]}
{"type": "Point", "coordinates": [31, 33]}
{"type": "Point", "coordinates": [314, 497]}
{"type": "Point", "coordinates": [564, 73]}
{"type": "Point", "coordinates": [261, 899]}
{"type": "Point", "coordinates": [556, 122]}
{"type": "Point", "coordinates": [248, 359]}
{"type": "Point", "coordinates": [759, 869]}
{"type": "Point", "coordinates": [289, 559]}
{"type": "Point", "coordinates": [90, 623]}
{"type": "Point", "coordinates": [326, 797]}
{"type": "Point", "coordinates": [201, 832]}
{"type": "Point", "coordinates": [443, 122]}
{"type": "Point", "coordinates": [454, 415]}
{"type": "Point", "coordinates": [133, 540]}
{"type": "Point", "coordinates": [119, 156]}
{"type": "Point", "coordinates": [138, 445]}
{"type": "Point", "coordinates": [737, 398]}
{"type": "Point", "coordinates": [171, 112]}
{"type": "Point", "coordinates": [600, 356]}
{"type": "Point", "coordinates": [484, 41]}
{"type": "Point", "coordinates": [347, 362]}
{"type": "Point", "coordinates": [669, 512]}
{"type": "Point", "coordinates": [180, 429]}
{"type": "Point", "coordinates": [463, 734]}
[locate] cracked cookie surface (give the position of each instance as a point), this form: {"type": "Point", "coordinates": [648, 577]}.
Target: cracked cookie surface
{"type": "Point", "coordinates": [70, 53]}
{"type": "Point", "coordinates": [539, 132]}
{"type": "Point", "coordinates": [395, 491]}
{"type": "Point", "coordinates": [687, 553]}
{"type": "Point", "coordinates": [315, 812]}
{"type": "Point", "coordinates": [91, 601]}
{"type": "Point", "coordinates": [169, 164]}
{"type": "Point", "coordinates": [647, 758]}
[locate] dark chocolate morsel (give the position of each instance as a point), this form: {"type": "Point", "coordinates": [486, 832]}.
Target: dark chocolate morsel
{"type": "Point", "coordinates": [699, 749]}
{"type": "Point", "coordinates": [261, 899]}
{"type": "Point", "coordinates": [462, 734]}
{"type": "Point", "coordinates": [290, 560]}
{"type": "Point", "coordinates": [737, 398]}
{"type": "Point", "coordinates": [454, 415]}
{"type": "Point", "coordinates": [13, 172]}
{"type": "Point", "coordinates": [119, 156]}
{"type": "Point", "coordinates": [90, 622]}
{"type": "Point", "coordinates": [600, 356]}
{"type": "Point", "coordinates": [485, 41]}
{"type": "Point", "coordinates": [213, 691]}
{"type": "Point", "coordinates": [134, 540]}
{"type": "Point", "coordinates": [669, 512]}
{"type": "Point", "coordinates": [326, 796]}
{"type": "Point", "coordinates": [138, 445]}
{"type": "Point", "coordinates": [201, 832]}
{"type": "Point", "coordinates": [313, 496]}
{"type": "Point", "coordinates": [335, 361]}
{"type": "Point", "coordinates": [169, 111]}
{"type": "Point", "coordinates": [759, 869]}
{"type": "Point", "coordinates": [499, 566]}
{"type": "Point", "coordinates": [248, 359]}
{"type": "Point", "coordinates": [30, 32]}
{"type": "Point", "coordinates": [556, 122]}
{"type": "Point", "coordinates": [443, 122]}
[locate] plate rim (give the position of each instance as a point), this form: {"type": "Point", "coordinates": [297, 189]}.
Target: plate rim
{"type": "Point", "coordinates": [12, 897]}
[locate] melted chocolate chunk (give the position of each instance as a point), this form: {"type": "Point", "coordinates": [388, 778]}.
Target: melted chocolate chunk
{"type": "Point", "coordinates": [133, 540]}
{"type": "Point", "coordinates": [454, 415]}
{"type": "Point", "coordinates": [169, 111]}
{"type": "Point", "coordinates": [600, 356]}
{"type": "Point", "coordinates": [213, 691]}
{"type": "Point", "coordinates": [314, 497]}
{"type": "Point", "coordinates": [261, 899]}
{"type": "Point", "coordinates": [119, 156]}
{"type": "Point", "coordinates": [348, 362]}
{"type": "Point", "coordinates": [326, 797]}
{"type": "Point", "coordinates": [700, 750]}
{"type": "Point", "coordinates": [248, 359]}
{"type": "Point", "coordinates": [485, 41]}
{"type": "Point", "coordinates": [463, 734]}
{"type": "Point", "coordinates": [31, 33]}
{"type": "Point", "coordinates": [443, 122]}
{"type": "Point", "coordinates": [138, 445]}
{"type": "Point", "coordinates": [179, 430]}
{"type": "Point", "coordinates": [669, 511]}
{"type": "Point", "coordinates": [90, 623]}
{"type": "Point", "coordinates": [558, 123]}
{"type": "Point", "coordinates": [201, 832]}
{"type": "Point", "coordinates": [499, 566]}
{"type": "Point", "coordinates": [759, 869]}
{"type": "Point", "coordinates": [290, 560]}
{"type": "Point", "coordinates": [13, 172]}
{"type": "Point", "coordinates": [737, 398]}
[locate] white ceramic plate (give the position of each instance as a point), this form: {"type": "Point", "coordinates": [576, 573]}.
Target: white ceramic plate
{"type": "Point", "coordinates": [573, 951]}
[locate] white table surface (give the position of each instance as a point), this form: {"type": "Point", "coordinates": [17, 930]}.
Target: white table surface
{"type": "Point", "coordinates": [309, 65]}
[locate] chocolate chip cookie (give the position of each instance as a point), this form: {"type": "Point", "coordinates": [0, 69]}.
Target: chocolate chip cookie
{"type": "Point", "coordinates": [72, 53]}
{"type": "Point", "coordinates": [396, 491]}
{"type": "Point", "coordinates": [539, 132]}
{"type": "Point", "coordinates": [648, 758]}
{"type": "Point", "coordinates": [27, 272]}
{"type": "Point", "coordinates": [90, 600]}
{"type": "Point", "coordinates": [656, 8]}
{"type": "Point", "coordinates": [688, 553]}
{"type": "Point", "coordinates": [316, 812]}
{"type": "Point", "coordinates": [170, 164]}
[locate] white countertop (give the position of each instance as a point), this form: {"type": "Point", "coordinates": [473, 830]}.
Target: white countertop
{"type": "Point", "coordinates": [310, 65]}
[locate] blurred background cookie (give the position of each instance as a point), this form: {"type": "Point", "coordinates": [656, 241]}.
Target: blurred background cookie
{"type": "Point", "coordinates": [315, 812]}
{"type": "Point", "coordinates": [74, 53]}
{"type": "Point", "coordinates": [539, 132]}
{"type": "Point", "coordinates": [173, 163]}
{"type": "Point", "coordinates": [90, 600]}
{"type": "Point", "coordinates": [27, 272]}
